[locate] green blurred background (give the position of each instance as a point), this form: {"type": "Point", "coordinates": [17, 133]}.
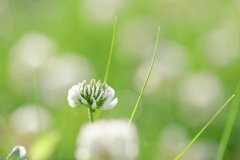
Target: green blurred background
{"type": "Point", "coordinates": [47, 46]}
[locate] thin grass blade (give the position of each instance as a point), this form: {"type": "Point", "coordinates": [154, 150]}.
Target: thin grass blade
{"type": "Point", "coordinates": [98, 112]}
{"type": "Point", "coordinates": [111, 50]}
{"type": "Point", "coordinates": [146, 81]}
{"type": "Point", "coordinates": [210, 121]}
{"type": "Point", "coordinates": [229, 124]}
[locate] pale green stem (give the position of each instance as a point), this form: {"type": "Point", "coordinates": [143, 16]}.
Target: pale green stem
{"type": "Point", "coordinates": [109, 59]}
{"type": "Point", "coordinates": [229, 124]}
{"type": "Point", "coordinates": [91, 114]}
{"type": "Point", "coordinates": [215, 115]}
{"type": "Point", "coordinates": [146, 81]}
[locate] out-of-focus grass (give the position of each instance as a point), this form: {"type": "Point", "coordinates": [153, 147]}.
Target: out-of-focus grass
{"type": "Point", "coordinates": [199, 41]}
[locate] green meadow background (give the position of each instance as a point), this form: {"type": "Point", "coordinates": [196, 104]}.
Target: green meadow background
{"type": "Point", "coordinates": [46, 46]}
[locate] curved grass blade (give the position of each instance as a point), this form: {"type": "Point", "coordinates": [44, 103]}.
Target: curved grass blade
{"type": "Point", "coordinates": [229, 124]}
{"type": "Point", "coordinates": [98, 112]}
{"type": "Point", "coordinates": [210, 121]}
{"type": "Point", "coordinates": [111, 50]}
{"type": "Point", "coordinates": [146, 81]}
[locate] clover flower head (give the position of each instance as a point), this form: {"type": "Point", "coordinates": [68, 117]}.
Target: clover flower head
{"type": "Point", "coordinates": [95, 95]}
{"type": "Point", "coordinates": [107, 139]}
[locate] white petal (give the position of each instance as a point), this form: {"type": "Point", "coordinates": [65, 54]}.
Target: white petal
{"type": "Point", "coordinates": [83, 82]}
{"type": "Point", "coordinates": [94, 104]}
{"type": "Point", "coordinates": [72, 95]}
{"type": "Point", "coordinates": [96, 91]}
{"type": "Point", "coordinates": [98, 83]}
{"type": "Point", "coordinates": [92, 92]}
{"type": "Point", "coordinates": [109, 93]}
{"type": "Point", "coordinates": [79, 85]}
{"type": "Point", "coordinates": [81, 90]}
{"type": "Point", "coordinates": [109, 97]}
{"type": "Point", "coordinates": [112, 92]}
{"type": "Point", "coordinates": [84, 91]}
{"type": "Point", "coordinates": [103, 85]}
{"type": "Point", "coordinates": [105, 94]}
{"type": "Point", "coordinates": [83, 100]}
{"type": "Point", "coordinates": [77, 93]}
{"type": "Point", "coordinates": [98, 98]}
{"type": "Point", "coordinates": [72, 103]}
{"type": "Point", "coordinates": [92, 82]}
{"type": "Point", "coordinates": [110, 105]}
{"type": "Point", "coordinates": [89, 91]}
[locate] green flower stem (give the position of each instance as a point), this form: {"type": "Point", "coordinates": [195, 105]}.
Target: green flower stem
{"type": "Point", "coordinates": [91, 114]}
{"type": "Point", "coordinates": [215, 115]}
{"type": "Point", "coordinates": [229, 124]}
{"type": "Point", "coordinates": [149, 73]}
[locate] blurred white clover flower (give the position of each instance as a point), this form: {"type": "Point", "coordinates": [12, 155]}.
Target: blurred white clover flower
{"type": "Point", "coordinates": [94, 95]}
{"type": "Point", "coordinates": [18, 153]}
{"type": "Point", "coordinates": [29, 119]}
{"type": "Point", "coordinates": [107, 140]}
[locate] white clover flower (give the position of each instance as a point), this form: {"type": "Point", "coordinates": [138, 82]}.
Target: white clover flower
{"type": "Point", "coordinates": [25, 120]}
{"type": "Point", "coordinates": [107, 140]}
{"type": "Point", "coordinates": [18, 152]}
{"type": "Point", "coordinates": [94, 95]}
